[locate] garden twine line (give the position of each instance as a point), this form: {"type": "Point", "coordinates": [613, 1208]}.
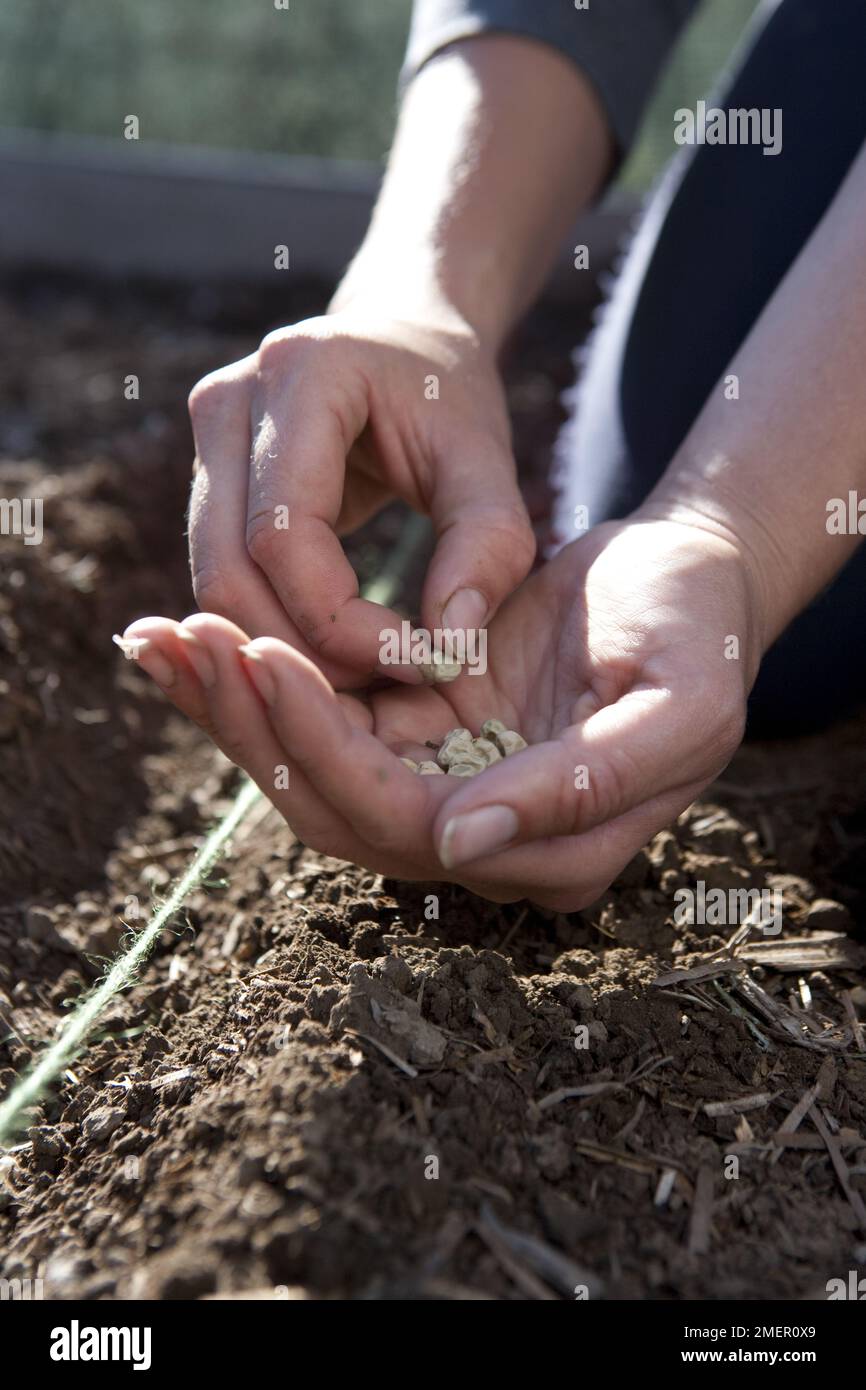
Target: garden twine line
{"type": "Point", "coordinates": [31, 1087]}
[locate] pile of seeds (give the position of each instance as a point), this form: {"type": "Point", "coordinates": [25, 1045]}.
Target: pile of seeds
{"type": "Point", "coordinates": [461, 755]}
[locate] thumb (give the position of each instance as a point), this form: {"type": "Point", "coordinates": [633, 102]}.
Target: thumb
{"type": "Point", "coordinates": [627, 754]}
{"type": "Point", "coordinates": [485, 545]}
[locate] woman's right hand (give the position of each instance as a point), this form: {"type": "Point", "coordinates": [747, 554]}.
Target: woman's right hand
{"type": "Point", "coordinates": [308, 437]}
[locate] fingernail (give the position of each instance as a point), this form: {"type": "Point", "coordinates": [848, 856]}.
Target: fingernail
{"type": "Point", "coordinates": [467, 608]}
{"type": "Point", "coordinates": [149, 658]}
{"type": "Point", "coordinates": [261, 677]}
{"type": "Point", "coordinates": [475, 833]}
{"type": "Point", "coordinates": [130, 646]}
{"type": "Point", "coordinates": [198, 657]}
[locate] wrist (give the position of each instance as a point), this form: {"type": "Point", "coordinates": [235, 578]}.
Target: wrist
{"type": "Point", "coordinates": [778, 525]}
{"type": "Point", "coordinates": [419, 289]}
{"type": "Point", "coordinates": [752, 588]}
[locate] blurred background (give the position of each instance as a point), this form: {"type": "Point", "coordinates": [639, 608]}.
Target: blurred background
{"type": "Point", "coordinates": [317, 79]}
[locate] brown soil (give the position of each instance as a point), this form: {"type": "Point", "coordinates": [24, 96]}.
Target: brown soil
{"type": "Point", "coordinates": [238, 1122]}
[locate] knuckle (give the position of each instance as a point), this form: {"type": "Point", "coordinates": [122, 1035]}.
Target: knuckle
{"type": "Point", "coordinates": [274, 349]}
{"type": "Point", "coordinates": [507, 537]}
{"type": "Point", "coordinates": [281, 348]}
{"type": "Point", "coordinates": [521, 552]}
{"type": "Point", "coordinates": [285, 348]}
{"type": "Point", "coordinates": [604, 794]}
{"type": "Point", "coordinates": [210, 397]}
{"type": "Point", "coordinates": [206, 722]}
{"type": "Point", "coordinates": [262, 539]}
{"type": "Point", "coordinates": [568, 808]}
{"type": "Point", "coordinates": [233, 745]}
{"type": "Point", "coordinates": [212, 591]}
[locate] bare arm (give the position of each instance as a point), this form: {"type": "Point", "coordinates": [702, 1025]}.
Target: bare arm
{"type": "Point", "coordinates": [761, 469]}
{"type": "Point", "coordinates": [501, 142]}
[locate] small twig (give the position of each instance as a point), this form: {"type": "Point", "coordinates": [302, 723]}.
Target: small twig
{"type": "Point", "coordinates": [385, 1050]}
{"type": "Point", "coordinates": [702, 1212]}
{"type": "Point", "coordinates": [716, 1108]}
{"type": "Point", "coordinates": [856, 1025]}
{"type": "Point", "coordinates": [763, 1042]}
{"type": "Point", "coordinates": [841, 1167]}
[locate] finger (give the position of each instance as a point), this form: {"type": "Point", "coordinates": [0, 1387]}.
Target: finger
{"type": "Point", "coordinates": [569, 873]}
{"type": "Point", "coordinates": [196, 664]}
{"type": "Point", "coordinates": [304, 424]}
{"type": "Point", "coordinates": [387, 805]}
{"type": "Point", "coordinates": [485, 545]}
{"type": "Point", "coordinates": [225, 579]}
{"type": "Point", "coordinates": [640, 747]}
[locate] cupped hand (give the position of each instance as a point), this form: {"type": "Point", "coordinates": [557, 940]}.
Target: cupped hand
{"type": "Point", "coordinates": [625, 663]}
{"type": "Point", "coordinates": [308, 437]}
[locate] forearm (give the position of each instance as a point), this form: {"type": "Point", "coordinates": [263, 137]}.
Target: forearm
{"type": "Point", "coordinates": [499, 145]}
{"type": "Point", "coordinates": [762, 468]}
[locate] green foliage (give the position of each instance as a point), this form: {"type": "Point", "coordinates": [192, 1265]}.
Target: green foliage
{"type": "Point", "coordinates": [316, 79]}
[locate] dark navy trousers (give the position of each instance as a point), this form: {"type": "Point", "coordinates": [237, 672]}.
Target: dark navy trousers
{"type": "Point", "coordinates": [719, 233]}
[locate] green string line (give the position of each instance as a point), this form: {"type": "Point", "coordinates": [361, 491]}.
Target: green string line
{"type": "Point", "coordinates": [122, 974]}
{"type": "Point", "coordinates": [32, 1085]}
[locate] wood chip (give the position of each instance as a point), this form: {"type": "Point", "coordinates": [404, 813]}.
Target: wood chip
{"type": "Point", "coordinates": [638, 1163]}
{"type": "Point", "coordinates": [825, 1081]}
{"type": "Point", "coordinates": [784, 1023]}
{"type": "Point", "coordinates": [526, 1281]}
{"type": "Point", "coordinates": [702, 1212]}
{"type": "Point", "coordinates": [834, 1149]}
{"type": "Point", "coordinates": [172, 1077]}
{"type": "Point", "coordinates": [820, 951]}
{"type": "Point", "coordinates": [665, 1187]}
{"type": "Point", "coordinates": [554, 1267]}
{"type": "Point", "coordinates": [739, 1105]}
{"type": "Point", "coordinates": [707, 971]}
{"type": "Point", "coordinates": [744, 1132]}
{"type": "Point", "coordinates": [853, 1019]}
{"type": "Point", "coordinates": [592, 1088]}
{"type": "Point", "coordinates": [598, 1088]}
{"type": "Point", "coordinates": [794, 1118]}
{"type": "Point", "coordinates": [802, 1140]}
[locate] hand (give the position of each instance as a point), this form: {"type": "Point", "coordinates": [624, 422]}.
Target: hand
{"type": "Point", "coordinates": [310, 436]}
{"type": "Point", "coordinates": [610, 659]}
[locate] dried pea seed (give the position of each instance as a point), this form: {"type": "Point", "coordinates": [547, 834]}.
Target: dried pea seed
{"type": "Point", "coordinates": [507, 740]}
{"type": "Point", "coordinates": [476, 764]}
{"type": "Point", "coordinates": [438, 671]}
{"type": "Point", "coordinates": [491, 727]}
{"type": "Point", "coordinates": [456, 747]}
{"type": "Point", "coordinates": [461, 755]}
{"type": "Point", "coordinates": [487, 749]}
{"type": "Point", "coordinates": [511, 742]}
